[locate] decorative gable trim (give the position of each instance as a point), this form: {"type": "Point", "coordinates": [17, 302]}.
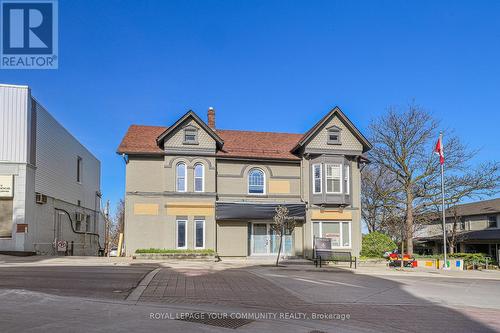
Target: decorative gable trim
{"type": "Point", "coordinates": [194, 116]}
{"type": "Point", "coordinates": [317, 127]}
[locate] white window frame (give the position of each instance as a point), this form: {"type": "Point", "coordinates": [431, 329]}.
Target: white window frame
{"type": "Point", "coordinates": [320, 178]}
{"type": "Point", "coordinates": [347, 172]}
{"type": "Point", "coordinates": [177, 177]}
{"type": "Point", "coordinates": [341, 233]}
{"type": "Point", "coordinates": [177, 234]}
{"type": "Point", "coordinates": [204, 232]}
{"type": "Point", "coordinates": [341, 179]}
{"type": "Point", "coordinates": [202, 177]}
{"type": "Point", "coordinates": [263, 186]}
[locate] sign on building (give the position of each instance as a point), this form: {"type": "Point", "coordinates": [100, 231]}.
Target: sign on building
{"type": "Point", "coordinates": [6, 186]}
{"type": "Point", "coordinates": [322, 243]}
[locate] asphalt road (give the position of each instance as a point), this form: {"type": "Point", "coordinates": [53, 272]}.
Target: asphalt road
{"type": "Point", "coordinates": [103, 282]}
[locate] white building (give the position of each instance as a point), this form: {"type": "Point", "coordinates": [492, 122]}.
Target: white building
{"type": "Point", "coordinates": [49, 182]}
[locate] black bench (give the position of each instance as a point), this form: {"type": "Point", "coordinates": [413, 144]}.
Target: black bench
{"type": "Point", "coordinates": [322, 256]}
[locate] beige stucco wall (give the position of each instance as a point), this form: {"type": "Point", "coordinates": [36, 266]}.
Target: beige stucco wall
{"type": "Point", "coordinates": [144, 174]}
{"type": "Point", "coordinates": [282, 181]}
{"type": "Point", "coordinates": [169, 171]}
{"type": "Point", "coordinates": [159, 230]}
{"type": "Point", "coordinates": [151, 207]}
{"type": "Point", "coordinates": [348, 140]}
{"type": "Point", "coordinates": [232, 238]}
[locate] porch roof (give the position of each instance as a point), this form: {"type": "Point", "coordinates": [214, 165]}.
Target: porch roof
{"type": "Point", "coordinates": [486, 234]}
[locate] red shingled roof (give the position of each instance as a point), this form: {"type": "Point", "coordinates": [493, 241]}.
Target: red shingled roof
{"type": "Point", "coordinates": [141, 139]}
{"type": "Point", "coordinates": [258, 144]}
{"type": "Point", "coordinates": [243, 144]}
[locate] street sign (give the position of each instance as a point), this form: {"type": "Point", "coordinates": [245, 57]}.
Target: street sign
{"type": "Point", "coordinates": [62, 245]}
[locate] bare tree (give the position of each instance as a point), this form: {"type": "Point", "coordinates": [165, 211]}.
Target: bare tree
{"type": "Point", "coordinates": [454, 235]}
{"type": "Point", "coordinates": [117, 223]}
{"type": "Point", "coordinates": [403, 141]}
{"type": "Point", "coordinates": [378, 192]}
{"type": "Point", "coordinates": [283, 224]}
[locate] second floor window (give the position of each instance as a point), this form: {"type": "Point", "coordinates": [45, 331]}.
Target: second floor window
{"type": "Point", "coordinates": [317, 179]}
{"type": "Point", "coordinates": [346, 179]}
{"type": "Point", "coordinates": [256, 181]}
{"type": "Point", "coordinates": [333, 178]}
{"type": "Point", "coordinates": [492, 221]}
{"type": "Point", "coordinates": [199, 177]}
{"type": "Point", "coordinates": [181, 177]}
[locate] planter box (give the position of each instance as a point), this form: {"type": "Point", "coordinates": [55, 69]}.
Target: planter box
{"type": "Point", "coordinates": [179, 256]}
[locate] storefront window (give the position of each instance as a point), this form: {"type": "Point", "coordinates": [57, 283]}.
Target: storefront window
{"type": "Point", "coordinates": [338, 232]}
{"type": "Point", "coordinates": [6, 218]}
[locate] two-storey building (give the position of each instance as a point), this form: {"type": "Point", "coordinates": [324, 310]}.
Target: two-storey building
{"type": "Point", "coordinates": [193, 186]}
{"type": "Point", "coordinates": [49, 182]}
{"type": "Point", "coordinates": [472, 227]}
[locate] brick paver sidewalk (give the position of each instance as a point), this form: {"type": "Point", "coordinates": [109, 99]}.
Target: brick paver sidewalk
{"type": "Point", "coordinates": [228, 287]}
{"type": "Point", "coordinates": [242, 289]}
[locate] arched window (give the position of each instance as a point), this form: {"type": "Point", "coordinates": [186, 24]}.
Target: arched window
{"type": "Point", "coordinates": [181, 177]}
{"type": "Point", "coordinates": [199, 177]}
{"type": "Point", "coordinates": [256, 182]}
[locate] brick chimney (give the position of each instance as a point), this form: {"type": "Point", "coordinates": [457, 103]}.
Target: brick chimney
{"type": "Point", "coordinates": [211, 117]}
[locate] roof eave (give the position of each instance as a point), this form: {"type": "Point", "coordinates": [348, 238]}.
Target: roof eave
{"type": "Point", "coordinates": [188, 114]}
{"type": "Point", "coordinates": [364, 141]}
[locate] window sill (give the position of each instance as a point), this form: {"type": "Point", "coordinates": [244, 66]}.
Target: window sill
{"type": "Point", "coordinates": [194, 143]}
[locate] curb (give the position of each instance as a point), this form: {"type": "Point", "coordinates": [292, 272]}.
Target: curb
{"type": "Point", "coordinates": [137, 292]}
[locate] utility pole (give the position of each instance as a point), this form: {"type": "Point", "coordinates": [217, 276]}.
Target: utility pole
{"type": "Point", "coordinates": [107, 232]}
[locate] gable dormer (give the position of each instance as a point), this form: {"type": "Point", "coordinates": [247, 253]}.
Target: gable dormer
{"type": "Point", "coordinates": [189, 134]}
{"type": "Point", "coordinates": [333, 134]}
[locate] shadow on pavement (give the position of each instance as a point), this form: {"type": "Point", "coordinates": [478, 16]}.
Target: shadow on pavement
{"type": "Point", "coordinates": [254, 288]}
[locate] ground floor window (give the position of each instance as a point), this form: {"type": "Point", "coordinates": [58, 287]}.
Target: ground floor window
{"type": "Point", "coordinates": [181, 234]}
{"type": "Point", "coordinates": [6, 218]}
{"type": "Point", "coordinates": [265, 241]}
{"type": "Point", "coordinates": [338, 232]}
{"type": "Point", "coordinates": [199, 234]}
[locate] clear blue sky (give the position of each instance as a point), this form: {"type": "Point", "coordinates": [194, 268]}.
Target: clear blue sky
{"type": "Point", "coordinates": [268, 65]}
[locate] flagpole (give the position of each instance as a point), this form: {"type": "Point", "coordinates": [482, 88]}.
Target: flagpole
{"type": "Point", "coordinates": [442, 206]}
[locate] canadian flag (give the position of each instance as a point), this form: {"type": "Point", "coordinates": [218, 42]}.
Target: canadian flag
{"type": "Point", "coordinates": [440, 150]}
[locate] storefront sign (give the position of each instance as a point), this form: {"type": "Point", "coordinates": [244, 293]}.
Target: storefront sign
{"type": "Point", "coordinates": [322, 243]}
{"type": "Point", "coordinates": [335, 237]}
{"type": "Point", "coordinates": [6, 186]}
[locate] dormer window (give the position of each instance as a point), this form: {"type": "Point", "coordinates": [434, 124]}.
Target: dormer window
{"type": "Point", "coordinates": [333, 137]}
{"type": "Point", "coordinates": [191, 135]}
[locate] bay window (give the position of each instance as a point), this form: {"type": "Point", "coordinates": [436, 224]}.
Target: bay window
{"type": "Point", "coordinates": [317, 178]}
{"type": "Point", "coordinates": [346, 179]}
{"type": "Point", "coordinates": [333, 178]}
